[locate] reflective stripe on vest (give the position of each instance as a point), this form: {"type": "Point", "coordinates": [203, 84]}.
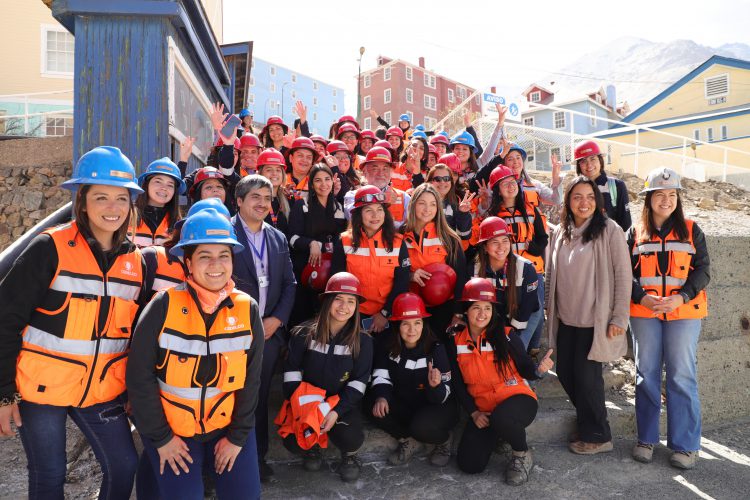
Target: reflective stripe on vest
{"type": "Point", "coordinates": [168, 273]}
{"type": "Point", "coordinates": [429, 249]}
{"type": "Point", "coordinates": [39, 338]}
{"type": "Point", "coordinates": [144, 237]}
{"type": "Point", "coordinates": [523, 233]}
{"type": "Point", "coordinates": [396, 198]}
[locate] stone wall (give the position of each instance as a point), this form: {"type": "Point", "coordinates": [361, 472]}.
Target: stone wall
{"type": "Point", "coordinates": [30, 172]}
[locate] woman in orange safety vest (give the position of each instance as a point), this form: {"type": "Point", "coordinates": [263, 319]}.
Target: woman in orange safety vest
{"type": "Point", "coordinates": [158, 208]}
{"type": "Point", "coordinates": [195, 372]}
{"type": "Point", "coordinates": [69, 304]}
{"type": "Point", "coordinates": [670, 274]}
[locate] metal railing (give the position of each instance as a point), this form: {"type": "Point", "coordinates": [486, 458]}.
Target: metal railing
{"type": "Point", "coordinates": [31, 123]}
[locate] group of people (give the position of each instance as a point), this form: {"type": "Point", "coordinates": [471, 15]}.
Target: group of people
{"type": "Point", "coordinates": [397, 277]}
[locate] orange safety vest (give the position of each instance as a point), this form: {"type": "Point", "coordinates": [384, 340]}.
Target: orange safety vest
{"type": "Point", "coordinates": [400, 178]}
{"type": "Point", "coordinates": [530, 193]}
{"type": "Point", "coordinates": [667, 282]}
{"type": "Point", "coordinates": [144, 237]}
{"type": "Point", "coordinates": [480, 373]}
{"type": "Point", "coordinates": [374, 266]}
{"type": "Point", "coordinates": [429, 249]}
{"type": "Point", "coordinates": [300, 188]}
{"type": "Point", "coordinates": [396, 198]}
{"type": "Point", "coordinates": [168, 273]}
{"type": "Point", "coordinates": [192, 408]}
{"type": "Point", "coordinates": [75, 347]}
{"type": "Point", "coordinates": [523, 233]}
{"type": "Point", "coordinates": [303, 414]}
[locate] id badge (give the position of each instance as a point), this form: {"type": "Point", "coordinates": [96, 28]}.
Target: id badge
{"type": "Point", "coordinates": [263, 281]}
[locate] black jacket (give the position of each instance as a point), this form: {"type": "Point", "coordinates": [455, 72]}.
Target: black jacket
{"type": "Point", "coordinates": [619, 213]}
{"type": "Point", "coordinates": [308, 223]}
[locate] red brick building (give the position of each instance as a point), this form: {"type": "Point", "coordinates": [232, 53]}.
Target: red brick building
{"type": "Point", "coordinates": [395, 87]}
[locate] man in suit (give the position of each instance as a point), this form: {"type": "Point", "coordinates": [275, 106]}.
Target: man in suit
{"type": "Point", "coordinates": [264, 271]}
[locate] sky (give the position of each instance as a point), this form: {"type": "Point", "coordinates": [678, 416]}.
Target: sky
{"type": "Point", "coordinates": [480, 43]}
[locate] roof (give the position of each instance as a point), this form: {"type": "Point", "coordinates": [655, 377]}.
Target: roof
{"type": "Point", "coordinates": [537, 86]}
{"type": "Point", "coordinates": [725, 61]}
{"type": "Point", "coordinates": [416, 66]}
{"type": "Point", "coordinates": [685, 120]}
{"type": "Point", "coordinates": [571, 101]}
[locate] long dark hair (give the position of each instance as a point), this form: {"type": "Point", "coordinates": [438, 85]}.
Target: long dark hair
{"type": "Point", "coordinates": [495, 335]}
{"type": "Point", "coordinates": [601, 165]}
{"type": "Point", "coordinates": [648, 228]}
{"type": "Point", "coordinates": [426, 341]}
{"type": "Point", "coordinates": [511, 295]}
{"type": "Point", "coordinates": [319, 328]}
{"type": "Point", "coordinates": [598, 219]}
{"type": "Point", "coordinates": [425, 154]}
{"type": "Point", "coordinates": [172, 206]}
{"type": "Point", "coordinates": [388, 230]}
{"type": "Point", "coordinates": [312, 196]}
{"type": "Point", "coordinates": [497, 202]}
{"type": "Point", "coordinates": [82, 218]}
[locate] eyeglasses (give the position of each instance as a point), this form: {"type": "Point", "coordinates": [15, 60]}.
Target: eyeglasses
{"type": "Point", "coordinates": [507, 184]}
{"type": "Point", "coordinates": [441, 178]}
{"type": "Point", "coordinates": [370, 198]}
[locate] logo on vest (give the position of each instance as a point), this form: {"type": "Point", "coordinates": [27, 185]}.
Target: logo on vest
{"type": "Point", "coordinates": [232, 324]}
{"type": "Point", "coordinates": [128, 270]}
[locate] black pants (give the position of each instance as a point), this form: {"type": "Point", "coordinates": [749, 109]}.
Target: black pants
{"type": "Point", "coordinates": [441, 319]}
{"type": "Point", "coordinates": [347, 435]}
{"type": "Point", "coordinates": [271, 350]}
{"type": "Point", "coordinates": [306, 304]}
{"type": "Point", "coordinates": [508, 421]}
{"type": "Point", "coordinates": [582, 380]}
{"type": "Point", "coordinates": [430, 424]}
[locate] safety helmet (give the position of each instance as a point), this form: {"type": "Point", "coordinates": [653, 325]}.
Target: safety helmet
{"type": "Point", "coordinates": [394, 131]}
{"type": "Point", "coordinates": [369, 195]}
{"type": "Point", "coordinates": [439, 287]}
{"type": "Point", "coordinates": [420, 127]}
{"type": "Point", "coordinates": [244, 112]}
{"type": "Point", "coordinates": [516, 147]}
{"type": "Point", "coordinates": [335, 146]}
{"type": "Point", "coordinates": [348, 119]}
{"type": "Point", "coordinates": [220, 143]}
{"type": "Point", "coordinates": [274, 120]}
{"type": "Point", "coordinates": [420, 134]}
{"type": "Point", "coordinates": [586, 149]}
{"type": "Point", "coordinates": [347, 127]}
{"type": "Point", "coordinates": [303, 143]}
{"type": "Point", "coordinates": [432, 150]}
{"type": "Point", "coordinates": [107, 166]}
{"type": "Point", "coordinates": [479, 290]}
{"type": "Point", "coordinates": [320, 139]}
{"type": "Point", "coordinates": [408, 306]}
{"type": "Point", "coordinates": [271, 156]}
{"type": "Point", "coordinates": [404, 118]}
{"type": "Point", "coordinates": [492, 227]}
{"type": "Point", "coordinates": [207, 227]}
{"type": "Point", "coordinates": [384, 144]}
{"type": "Point", "coordinates": [452, 162]}
{"type": "Point", "coordinates": [203, 174]}
{"type": "Point", "coordinates": [368, 134]}
{"type": "Point", "coordinates": [316, 277]}
{"type": "Point", "coordinates": [249, 141]}
{"type": "Point", "coordinates": [163, 166]}
{"type": "Point", "coordinates": [213, 203]}
{"type": "Point", "coordinates": [499, 173]}
{"type": "Point", "coordinates": [464, 138]}
{"type": "Point", "coordinates": [377, 154]}
{"type": "Point", "coordinates": [662, 178]}
{"type": "Point", "coordinates": [344, 282]}
{"type": "Point", "coordinates": [440, 139]}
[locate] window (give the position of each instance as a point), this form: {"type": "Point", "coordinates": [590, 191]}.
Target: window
{"type": "Point", "coordinates": [558, 119]}
{"type": "Point", "coordinates": [315, 85]}
{"type": "Point", "coordinates": [429, 81]}
{"type": "Point", "coordinates": [387, 116]}
{"type": "Point", "coordinates": [387, 74]}
{"type": "Point", "coordinates": [599, 98]}
{"type": "Point", "coordinates": [451, 97]}
{"type": "Point", "coordinates": [429, 122]}
{"type": "Point", "coordinates": [478, 99]}
{"type": "Point", "coordinates": [461, 92]}
{"type": "Point", "coordinates": [710, 134]}
{"type": "Point", "coordinates": [315, 116]}
{"type": "Point", "coordinates": [315, 101]}
{"type": "Point", "coordinates": [411, 116]}
{"type": "Point", "coordinates": [531, 155]}
{"type": "Point", "coordinates": [724, 133]}
{"type": "Point", "coordinates": [368, 123]}
{"type": "Point", "coordinates": [697, 135]}
{"type": "Point", "coordinates": [334, 108]}
{"type": "Point", "coordinates": [409, 73]}
{"type": "Point", "coordinates": [536, 96]}
{"type": "Point", "coordinates": [334, 92]}
{"type": "Point", "coordinates": [409, 96]}
{"type": "Point", "coordinates": [58, 47]}
{"type": "Point", "coordinates": [592, 116]}
{"type": "Point", "coordinates": [272, 70]}
{"type": "Point", "coordinates": [387, 96]}
{"type": "Point", "coordinates": [294, 78]}
{"type": "Point", "coordinates": [367, 101]}
{"type": "Point", "coordinates": [251, 98]}
{"type": "Point", "coordinates": [528, 122]}
{"type": "Point", "coordinates": [717, 86]}
{"type": "Point", "coordinates": [58, 126]}
{"type": "Point", "coordinates": [430, 102]}
{"type": "Point", "coordinates": [272, 87]}
{"type": "Point", "coordinates": [252, 81]}
{"type": "Point", "coordinates": [368, 81]}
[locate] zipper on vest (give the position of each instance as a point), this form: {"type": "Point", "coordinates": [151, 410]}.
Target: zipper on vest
{"type": "Point", "coordinates": [663, 274]}
{"type": "Point", "coordinates": [203, 382]}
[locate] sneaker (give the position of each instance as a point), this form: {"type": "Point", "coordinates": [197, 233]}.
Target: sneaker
{"type": "Point", "coordinates": [312, 459]}
{"type": "Point", "coordinates": [683, 459]}
{"type": "Point", "coordinates": [519, 467]}
{"type": "Point", "coordinates": [643, 452]}
{"type": "Point", "coordinates": [349, 467]}
{"type": "Point", "coordinates": [584, 448]}
{"type": "Point", "coordinates": [573, 437]}
{"type": "Point", "coordinates": [265, 471]}
{"type": "Point", "coordinates": [406, 448]}
{"type": "Point", "coordinates": [441, 454]}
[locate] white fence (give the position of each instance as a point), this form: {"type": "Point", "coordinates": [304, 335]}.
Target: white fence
{"type": "Point", "coordinates": [37, 113]}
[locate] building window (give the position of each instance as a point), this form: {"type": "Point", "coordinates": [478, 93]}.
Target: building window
{"type": "Point", "coordinates": [536, 96]}
{"type": "Point", "coordinates": [710, 134]}
{"type": "Point", "coordinates": [272, 87]}
{"type": "Point", "coordinates": [368, 123]}
{"type": "Point", "coordinates": [430, 102]}
{"type": "Point", "coordinates": [334, 108]}
{"type": "Point", "coordinates": [251, 98]}
{"type": "Point", "coordinates": [367, 102]}
{"type": "Point", "coordinates": [387, 74]}
{"type": "Point", "coordinates": [409, 73]}
{"type": "Point", "coordinates": [558, 119]}
{"type": "Point", "coordinates": [368, 81]}
{"type": "Point", "coordinates": [599, 98]}
{"type": "Point", "coordinates": [461, 92]}
{"type": "Point", "coordinates": [724, 133]}
{"type": "Point", "coordinates": [387, 96]}
{"type": "Point", "coordinates": [429, 81]}
{"type": "Point", "coordinates": [451, 97]}
{"type": "Point", "coordinates": [315, 101]}
{"type": "Point", "coordinates": [697, 135]}
{"type": "Point", "coordinates": [315, 85]}
{"type": "Point", "coordinates": [592, 116]}
{"type": "Point", "coordinates": [528, 122]}
{"type": "Point", "coordinates": [410, 96]}
{"type": "Point", "coordinates": [411, 116]}
{"type": "Point", "coordinates": [294, 78]}
{"type": "Point", "coordinates": [315, 116]}
{"type": "Point", "coordinates": [58, 126]}
{"type": "Point", "coordinates": [387, 117]}
{"type": "Point", "coordinates": [59, 47]}
{"type": "Point", "coordinates": [531, 154]}
{"type": "Point", "coordinates": [272, 69]}
{"type": "Point", "coordinates": [717, 86]}
{"type": "Point", "coordinates": [334, 92]}
{"type": "Point", "coordinates": [429, 122]}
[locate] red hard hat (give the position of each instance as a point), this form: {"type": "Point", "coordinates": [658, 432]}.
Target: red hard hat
{"type": "Point", "coordinates": [377, 154]}
{"type": "Point", "coordinates": [382, 143]}
{"type": "Point", "coordinates": [408, 306]}
{"type": "Point", "coordinates": [479, 290]}
{"type": "Point", "coordinates": [271, 156]}
{"type": "Point", "coordinates": [369, 195]}
{"type": "Point", "coordinates": [335, 146]}
{"type": "Point", "coordinates": [203, 174]}
{"type": "Point", "coordinates": [319, 138]}
{"type": "Point", "coordinates": [439, 288]}
{"type": "Point", "coordinates": [368, 134]}
{"type": "Point", "coordinates": [274, 120]}
{"type": "Point", "coordinates": [344, 282]}
{"type": "Point", "coordinates": [492, 227]}
{"type": "Point", "coordinates": [440, 139]}
{"type": "Point", "coordinates": [432, 150]}
{"type": "Point", "coordinates": [586, 149]}
{"type": "Point", "coordinates": [249, 140]}
{"type": "Point", "coordinates": [347, 127]}
{"type": "Point", "coordinates": [316, 277]}
{"type": "Point", "coordinates": [395, 131]}
{"type": "Point", "coordinates": [220, 143]}
{"type": "Point", "coordinates": [303, 143]}
{"type": "Point", "coordinates": [500, 173]}
{"type": "Point", "coordinates": [452, 162]}
{"type": "Point", "coordinates": [348, 119]}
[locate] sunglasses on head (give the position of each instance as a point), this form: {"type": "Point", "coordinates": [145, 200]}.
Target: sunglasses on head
{"type": "Point", "coordinates": [441, 178]}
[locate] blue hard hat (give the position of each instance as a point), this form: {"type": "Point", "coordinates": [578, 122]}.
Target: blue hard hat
{"type": "Point", "coordinates": [444, 134]}
{"type": "Point", "coordinates": [404, 118]}
{"type": "Point", "coordinates": [163, 166]}
{"type": "Point", "coordinates": [206, 227]}
{"type": "Point", "coordinates": [244, 112]}
{"type": "Point", "coordinates": [420, 127]}
{"type": "Point", "coordinates": [214, 203]}
{"type": "Point", "coordinates": [105, 166]}
{"type": "Point", "coordinates": [464, 138]}
{"type": "Point", "coordinates": [419, 133]}
{"type": "Point", "coordinates": [516, 147]}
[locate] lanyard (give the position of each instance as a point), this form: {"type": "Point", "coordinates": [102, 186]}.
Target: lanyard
{"type": "Point", "coordinates": [262, 252]}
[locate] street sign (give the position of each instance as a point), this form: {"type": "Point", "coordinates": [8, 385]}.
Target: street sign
{"type": "Point", "coordinates": [488, 106]}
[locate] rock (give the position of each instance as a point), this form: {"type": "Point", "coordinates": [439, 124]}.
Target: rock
{"type": "Point", "coordinates": [18, 231]}
{"type": "Point", "coordinates": [4, 229]}
{"type": "Point", "coordinates": [33, 200]}
{"type": "Point", "coordinates": [14, 220]}
{"type": "Point", "coordinates": [36, 215]}
{"type": "Point", "coordinates": [734, 206]}
{"type": "Point", "coordinates": [707, 203]}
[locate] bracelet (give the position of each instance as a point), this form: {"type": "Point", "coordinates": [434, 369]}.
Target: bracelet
{"type": "Point", "coordinates": [13, 400]}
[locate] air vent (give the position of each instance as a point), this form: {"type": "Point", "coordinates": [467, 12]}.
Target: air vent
{"type": "Point", "coordinates": [717, 86]}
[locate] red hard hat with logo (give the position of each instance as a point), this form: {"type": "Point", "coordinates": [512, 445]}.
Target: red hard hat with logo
{"type": "Point", "coordinates": [452, 162]}
{"type": "Point", "coordinates": [492, 227]}
{"type": "Point", "coordinates": [316, 277]}
{"type": "Point", "coordinates": [395, 131]}
{"type": "Point", "coordinates": [249, 141]}
{"type": "Point", "coordinates": [586, 149]}
{"type": "Point", "coordinates": [347, 127]}
{"type": "Point", "coordinates": [271, 156]}
{"type": "Point", "coordinates": [369, 195]}
{"type": "Point", "coordinates": [319, 138]}
{"type": "Point", "coordinates": [440, 139]}
{"type": "Point", "coordinates": [220, 143]}
{"type": "Point", "coordinates": [479, 290]}
{"type": "Point", "coordinates": [368, 134]}
{"type": "Point", "coordinates": [348, 119]}
{"type": "Point", "coordinates": [408, 306]}
{"type": "Point", "coordinates": [335, 146]}
{"type": "Point", "coordinates": [303, 143]}
{"type": "Point", "coordinates": [203, 174]}
{"type": "Point", "coordinates": [500, 173]}
{"type": "Point", "coordinates": [439, 288]}
{"type": "Point", "coordinates": [274, 120]}
{"type": "Point", "coordinates": [344, 282]}
{"type": "Point", "coordinates": [376, 154]}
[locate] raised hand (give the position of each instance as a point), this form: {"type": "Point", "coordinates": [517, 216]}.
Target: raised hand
{"type": "Point", "coordinates": [301, 110]}
{"type": "Point", "coordinates": [501, 112]}
{"type": "Point", "coordinates": [217, 115]}
{"type": "Point", "coordinates": [186, 148]}
{"type": "Point", "coordinates": [465, 205]}
{"type": "Point", "coordinates": [556, 167]}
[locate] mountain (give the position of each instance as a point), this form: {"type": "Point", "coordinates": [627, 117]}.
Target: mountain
{"type": "Point", "coordinates": [638, 68]}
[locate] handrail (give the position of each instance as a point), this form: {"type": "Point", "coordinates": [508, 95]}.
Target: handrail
{"type": "Point", "coordinates": [41, 113]}
{"type": "Point", "coordinates": [51, 92]}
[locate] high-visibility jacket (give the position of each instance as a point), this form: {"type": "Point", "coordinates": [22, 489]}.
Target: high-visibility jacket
{"type": "Point", "coordinates": [480, 374]}
{"type": "Point", "coordinates": [198, 405]}
{"type": "Point", "coordinates": [374, 265]}
{"type": "Point", "coordinates": [167, 272]}
{"type": "Point", "coordinates": [429, 249]}
{"type": "Point", "coordinates": [397, 199]}
{"type": "Point", "coordinates": [75, 347]}
{"type": "Point", "coordinates": [145, 237]}
{"type": "Point", "coordinates": [667, 282]}
{"type": "Point", "coordinates": [300, 187]}
{"type": "Point", "coordinates": [530, 192]}
{"type": "Point", "coordinates": [400, 178]}
{"type": "Point", "coordinates": [303, 415]}
{"type": "Point", "coordinates": [523, 232]}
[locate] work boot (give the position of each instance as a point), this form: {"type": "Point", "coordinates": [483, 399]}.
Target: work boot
{"type": "Point", "coordinates": [683, 459]}
{"type": "Point", "coordinates": [312, 459]}
{"type": "Point", "coordinates": [349, 467]}
{"type": "Point", "coordinates": [519, 467]}
{"type": "Point", "coordinates": [584, 448]}
{"type": "Point", "coordinates": [406, 448]}
{"type": "Point", "coordinates": [643, 452]}
{"type": "Point", "coordinates": [441, 454]}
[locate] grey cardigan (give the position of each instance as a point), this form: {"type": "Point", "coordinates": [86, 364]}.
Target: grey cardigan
{"type": "Point", "coordinates": [614, 278]}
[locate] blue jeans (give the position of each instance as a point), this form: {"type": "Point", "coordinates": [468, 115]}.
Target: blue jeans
{"type": "Point", "coordinates": [673, 344]}
{"type": "Point", "coordinates": [107, 430]}
{"type": "Point", "coordinates": [533, 331]}
{"type": "Point", "coordinates": [243, 481]}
